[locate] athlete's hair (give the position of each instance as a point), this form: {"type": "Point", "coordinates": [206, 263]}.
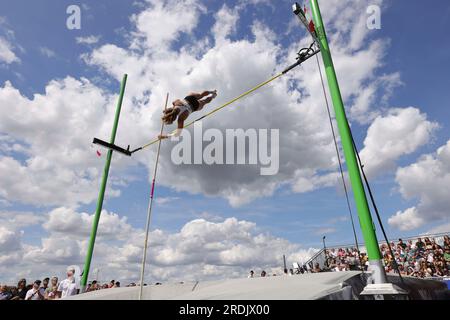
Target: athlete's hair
{"type": "Point", "coordinates": [170, 115]}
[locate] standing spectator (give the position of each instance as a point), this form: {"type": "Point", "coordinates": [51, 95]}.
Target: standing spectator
{"type": "Point", "coordinates": [36, 292]}
{"type": "Point", "coordinates": [69, 287]}
{"type": "Point", "coordinates": [252, 274]}
{"type": "Point", "coordinates": [21, 292]}
{"type": "Point", "coordinates": [51, 293]}
{"type": "Point", "coordinates": [4, 293]}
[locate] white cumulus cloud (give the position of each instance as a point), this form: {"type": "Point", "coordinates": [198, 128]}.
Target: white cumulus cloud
{"type": "Point", "coordinates": [399, 133]}
{"type": "Point", "coordinates": [428, 181]}
{"type": "Point", "coordinates": [54, 131]}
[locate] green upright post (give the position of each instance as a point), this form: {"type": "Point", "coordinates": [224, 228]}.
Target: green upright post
{"type": "Point", "coordinates": [365, 218]}
{"type": "Point", "coordinates": [101, 194]}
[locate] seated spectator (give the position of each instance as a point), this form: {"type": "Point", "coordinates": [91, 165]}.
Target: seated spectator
{"type": "Point", "coordinates": [446, 242]}
{"type": "Point", "coordinates": [388, 269]}
{"type": "Point", "coordinates": [263, 274]}
{"type": "Point", "coordinates": [447, 255]}
{"type": "Point", "coordinates": [317, 268]}
{"type": "Point", "coordinates": [429, 256]}
{"type": "Point", "coordinates": [117, 284]}
{"type": "Point", "coordinates": [21, 291]}
{"type": "Point", "coordinates": [13, 291]}
{"type": "Point", "coordinates": [352, 262]}
{"type": "Point", "coordinates": [337, 267]}
{"type": "Point", "coordinates": [402, 270]}
{"type": "Point", "coordinates": [420, 245]}
{"type": "Point", "coordinates": [410, 271]}
{"type": "Point", "coordinates": [111, 283]}
{"type": "Point", "coordinates": [5, 294]}
{"type": "Point", "coordinates": [251, 274]}
{"type": "Point", "coordinates": [428, 244]}
{"type": "Point", "coordinates": [332, 253]}
{"type": "Point", "coordinates": [438, 272]}
{"type": "Point", "coordinates": [341, 253]}
{"type": "Point", "coordinates": [392, 244]}
{"type": "Point", "coordinates": [401, 244]}
{"type": "Point", "coordinates": [36, 292]}
{"type": "Point", "coordinates": [332, 264]}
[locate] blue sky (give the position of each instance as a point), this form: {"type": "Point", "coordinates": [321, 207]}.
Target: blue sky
{"type": "Point", "coordinates": [418, 50]}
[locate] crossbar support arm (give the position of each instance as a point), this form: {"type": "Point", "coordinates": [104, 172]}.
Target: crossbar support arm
{"type": "Point", "coordinates": [113, 147]}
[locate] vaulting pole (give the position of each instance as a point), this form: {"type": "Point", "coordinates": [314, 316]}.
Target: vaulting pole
{"type": "Point", "coordinates": [101, 194]}
{"type": "Point", "coordinates": [150, 205]}
{"type": "Point", "coordinates": [367, 225]}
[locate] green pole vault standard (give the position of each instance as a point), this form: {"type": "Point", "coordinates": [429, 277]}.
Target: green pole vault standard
{"type": "Point", "coordinates": [101, 194]}
{"type": "Point", "coordinates": [367, 226]}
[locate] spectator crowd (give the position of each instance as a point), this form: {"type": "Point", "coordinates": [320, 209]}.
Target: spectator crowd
{"type": "Point", "coordinates": [422, 258]}
{"type": "Point", "coordinates": [416, 258]}
{"type": "Point", "coordinates": [52, 289]}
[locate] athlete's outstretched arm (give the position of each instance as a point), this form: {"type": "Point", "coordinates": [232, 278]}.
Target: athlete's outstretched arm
{"type": "Point", "coordinates": [179, 129]}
